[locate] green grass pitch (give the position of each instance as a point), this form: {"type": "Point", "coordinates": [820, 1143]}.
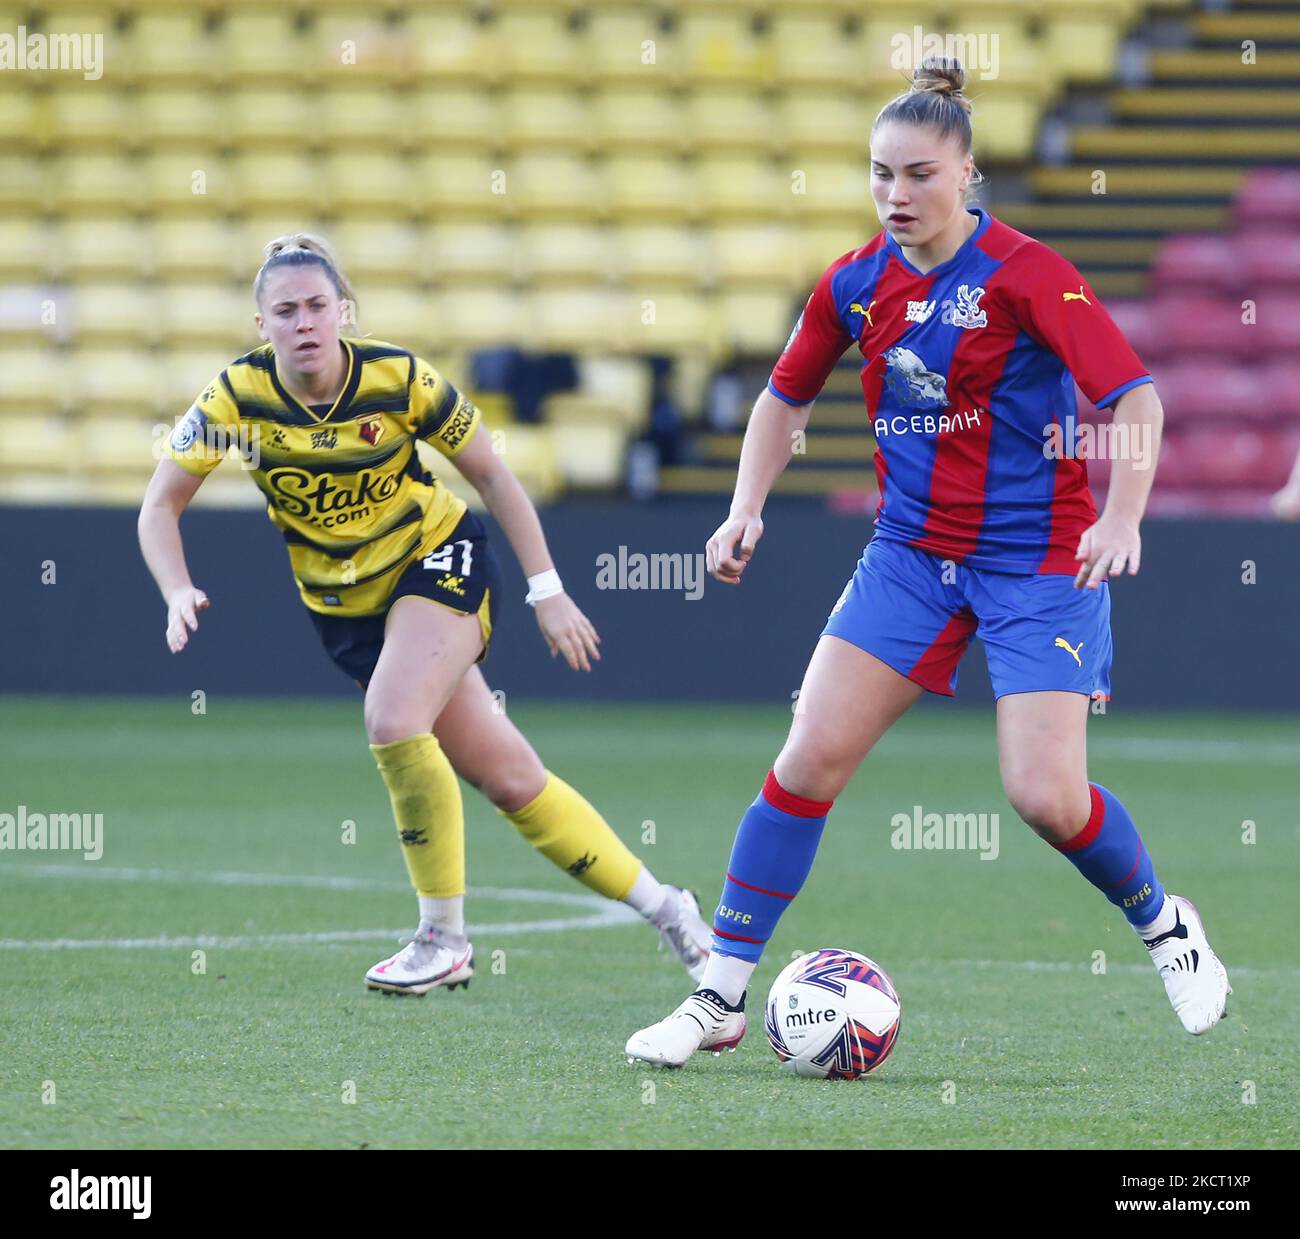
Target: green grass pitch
{"type": "Point", "coordinates": [228, 827]}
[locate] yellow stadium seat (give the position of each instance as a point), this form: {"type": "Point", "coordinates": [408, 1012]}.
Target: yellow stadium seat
{"type": "Point", "coordinates": [28, 247]}
{"type": "Point", "coordinates": [402, 316]}
{"type": "Point", "coordinates": [464, 183]}
{"type": "Point", "coordinates": [754, 321]}
{"type": "Point", "coordinates": [721, 47]}
{"type": "Point", "coordinates": [113, 379]}
{"type": "Point", "coordinates": [732, 120]}
{"type": "Point", "coordinates": [361, 46]}
{"type": "Point", "coordinates": [550, 252]}
{"type": "Point", "coordinates": [217, 316]}
{"type": "Point", "coordinates": [554, 184]}
{"type": "Point", "coordinates": [1006, 124]}
{"type": "Point", "coordinates": [27, 183]}
{"type": "Point", "coordinates": [185, 372]}
{"type": "Point", "coordinates": [821, 123]}
{"type": "Point", "coordinates": [667, 320]}
{"type": "Point", "coordinates": [104, 246]}
{"type": "Point", "coordinates": [624, 385]}
{"type": "Point", "coordinates": [528, 450]}
{"type": "Point", "coordinates": [590, 453]}
{"type": "Point", "coordinates": [377, 249]}
{"type": "Point", "coordinates": [255, 229]}
{"type": "Point", "coordinates": [193, 181]}
{"type": "Point", "coordinates": [275, 116]}
{"type": "Point", "coordinates": [442, 117]}
{"type": "Point", "coordinates": [747, 188]}
{"type": "Point", "coordinates": [1083, 44]}
{"type": "Point", "coordinates": [373, 181]}
{"type": "Point", "coordinates": [117, 313]}
{"type": "Point", "coordinates": [177, 115]}
{"type": "Point", "coordinates": [822, 243]}
{"type": "Point", "coordinates": [537, 45]}
{"type": "Point", "coordinates": [119, 444]}
{"type": "Point", "coordinates": [663, 188]}
{"type": "Point", "coordinates": [629, 117]}
{"type": "Point", "coordinates": [812, 49]}
{"type": "Point", "coordinates": [203, 248]}
{"type": "Point", "coordinates": [661, 253]}
{"type": "Point", "coordinates": [745, 254]}
{"type": "Point", "coordinates": [481, 317]}
{"type": "Point", "coordinates": [451, 44]}
{"type": "Point", "coordinates": [36, 380]}
{"type": "Point", "coordinates": [94, 180]}
{"type": "Point", "coordinates": [265, 44]}
{"type": "Point", "coordinates": [28, 443]}
{"type": "Point", "coordinates": [360, 115]}
{"type": "Point", "coordinates": [626, 44]}
{"type": "Point", "coordinates": [34, 315]}
{"type": "Point", "coordinates": [173, 46]}
{"type": "Point", "coordinates": [546, 118]}
{"type": "Point", "coordinates": [284, 181]}
{"type": "Point", "coordinates": [834, 188]}
{"type": "Point", "coordinates": [85, 114]}
{"type": "Point", "coordinates": [469, 252]}
{"type": "Point", "coordinates": [24, 118]}
{"type": "Point", "coordinates": [578, 318]}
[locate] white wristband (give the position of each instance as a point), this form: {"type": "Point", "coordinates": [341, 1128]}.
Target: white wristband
{"type": "Point", "coordinates": [543, 585]}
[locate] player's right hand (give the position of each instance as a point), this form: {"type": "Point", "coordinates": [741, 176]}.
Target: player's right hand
{"type": "Point", "coordinates": [183, 607]}
{"type": "Point", "coordinates": [720, 552]}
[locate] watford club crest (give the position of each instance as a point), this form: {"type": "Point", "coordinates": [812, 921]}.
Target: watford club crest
{"type": "Point", "coordinates": [370, 426]}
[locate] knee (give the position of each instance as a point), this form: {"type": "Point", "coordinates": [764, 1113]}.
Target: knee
{"type": "Point", "coordinates": [812, 770]}
{"type": "Point", "coordinates": [386, 725]}
{"type": "Point", "coordinates": [1054, 809]}
{"type": "Point", "coordinates": [514, 784]}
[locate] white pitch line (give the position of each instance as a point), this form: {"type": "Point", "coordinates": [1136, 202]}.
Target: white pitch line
{"type": "Point", "coordinates": [602, 913]}
{"type": "Point", "coordinates": [1043, 965]}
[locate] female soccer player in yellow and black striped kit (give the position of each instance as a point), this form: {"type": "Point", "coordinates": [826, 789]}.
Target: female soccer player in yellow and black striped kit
{"type": "Point", "coordinates": [402, 586]}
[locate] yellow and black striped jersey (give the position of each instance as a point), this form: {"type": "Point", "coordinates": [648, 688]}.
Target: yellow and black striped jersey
{"type": "Point", "coordinates": [343, 483]}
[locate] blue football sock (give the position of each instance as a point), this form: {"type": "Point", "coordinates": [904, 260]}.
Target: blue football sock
{"type": "Point", "coordinates": [773, 852]}
{"type": "Point", "coordinates": [1109, 852]}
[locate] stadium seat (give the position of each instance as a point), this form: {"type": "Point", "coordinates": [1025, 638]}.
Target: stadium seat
{"type": "Point", "coordinates": [821, 123]}
{"type": "Point", "coordinates": [282, 180]}
{"type": "Point", "coordinates": [1083, 43]}
{"type": "Point", "coordinates": [720, 47]}
{"type": "Point", "coordinates": [185, 372]}
{"type": "Point", "coordinates": [539, 46]}
{"type": "Point", "coordinates": [1269, 259]}
{"type": "Point", "coordinates": [566, 252]}
{"type": "Point", "coordinates": [734, 187]}
{"type": "Point", "coordinates": [627, 44]}
{"type": "Point", "coordinates": [579, 318]}
{"type": "Point", "coordinates": [445, 117]}
{"type": "Point", "coordinates": [30, 443]}
{"type": "Point", "coordinates": [378, 249]}
{"type": "Point", "coordinates": [367, 117]}
{"type": "Point", "coordinates": [124, 444]}
{"type": "Point", "coordinates": [364, 47]}
{"type": "Point", "coordinates": [590, 454]}
{"type": "Point", "coordinates": [766, 254]}
{"type": "Point", "coordinates": [375, 182]}
{"type": "Point", "coordinates": [735, 121]}
{"type": "Point", "coordinates": [663, 320]}
{"type": "Point", "coordinates": [1269, 196]}
{"type": "Point", "coordinates": [33, 379]}
{"type": "Point", "coordinates": [622, 384]}
{"type": "Point", "coordinates": [1205, 389]}
{"type": "Point", "coordinates": [539, 118]}
{"type": "Point", "coordinates": [264, 44]}
{"type": "Point", "coordinates": [273, 115]}
{"type": "Point", "coordinates": [405, 316]}
{"type": "Point", "coordinates": [1137, 321]}
{"type": "Point", "coordinates": [28, 246]}
{"type": "Point", "coordinates": [216, 315]}
{"type": "Point", "coordinates": [754, 322]}
{"type": "Point", "coordinates": [814, 51]}
{"type": "Point", "coordinates": [1207, 325]}
{"type": "Point", "coordinates": [199, 248]}
{"type": "Point", "coordinates": [87, 115]}
{"type": "Point", "coordinates": [662, 188]}
{"type": "Point", "coordinates": [554, 185]}
{"type": "Point", "coordinates": [93, 180]}
{"type": "Point", "coordinates": [469, 185]}
{"type": "Point", "coordinates": [835, 189]}
{"type": "Point", "coordinates": [119, 313]}
{"type": "Point", "coordinates": [627, 118]}
{"type": "Point", "coordinates": [450, 44]}
{"type": "Point", "coordinates": [1279, 380]}
{"type": "Point", "coordinates": [112, 379]}
{"type": "Point", "coordinates": [172, 46]}
{"type": "Point", "coordinates": [661, 253]}
{"type": "Point", "coordinates": [1277, 318]}
{"type": "Point", "coordinates": [179, 115]}
{"type": "Point", "coordinates": [481, 316]}
{"type": "Point", "coordinates": [24, 122]}
{"type": "Point", "coordinates": [473, 252]}
{"type": "Point", "coordinates": [1197, 262]}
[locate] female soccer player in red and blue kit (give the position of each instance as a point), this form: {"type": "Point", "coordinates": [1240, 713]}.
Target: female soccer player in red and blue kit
{"type": "Point", "coordinates": [972, 336]}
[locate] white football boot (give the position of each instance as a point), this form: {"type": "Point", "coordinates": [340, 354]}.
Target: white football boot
{"type": "Point", "coordinates": [1195, 980]}
{"type": "Point", "coordinates": [425, 962]}
{"type": "Point", "coordinates": [687, 934]}
{"type": "Point", "coordinates": [703, 1022]}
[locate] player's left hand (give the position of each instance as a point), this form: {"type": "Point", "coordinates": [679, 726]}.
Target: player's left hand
{"type": "Point", "coordinates": [568, 631]}
{"type": "Point", "coordinates": [1106, 548]}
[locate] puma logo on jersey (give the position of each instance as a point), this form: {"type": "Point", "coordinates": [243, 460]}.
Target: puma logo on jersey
{"type": "Point", "coordinates": [1074, 650]}
{"type": "Point", "coordinates": [1076, 296]}
{"type": "Point", "coordinates": [856, 308]}
{"type": "Point", "coordinates": [919, 311]}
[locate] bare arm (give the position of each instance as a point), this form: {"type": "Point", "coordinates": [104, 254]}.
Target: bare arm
{"type": "Point", "coordinates": [769, 443]}
{"type": "Point", "coordinates": [168, 495]}
{"type": "Point", "coordinates": [566, 629]}
{"type": "Point", "coordinates": [1286, 503]}
{"type": "Point", "coordinates": [1114, 543]}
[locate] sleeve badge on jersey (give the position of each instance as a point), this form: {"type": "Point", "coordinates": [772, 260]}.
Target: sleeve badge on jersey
{"type": "Point", "coordinates": [188, 429]}
{"type": "Point", "coordinates": [795, 332]}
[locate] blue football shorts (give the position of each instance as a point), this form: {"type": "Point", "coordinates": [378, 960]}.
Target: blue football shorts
{"type": "Point", "coordinates": [917, 613]}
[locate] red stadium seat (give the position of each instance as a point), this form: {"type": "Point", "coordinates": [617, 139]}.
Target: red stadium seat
{"type": "Point", "coordinates": [1199, 389]}
{"type": "Point", "coordinates": [1244, 459]}
{"type": "Point", "coordinates": [1206, 325]}
{"type": "Point", "coordinates": [1270, 258]}
{"type": "Point", "coordinates": [1270, 196]}
{"type": "Point", "coordinates": [1206, 262]}
{"type": "Point", "coordinates": [1136, 320]}
{"type": "Point", "coordinates": [1277, 322]}
{"type": "Point", "coordinates": [1279, 380]}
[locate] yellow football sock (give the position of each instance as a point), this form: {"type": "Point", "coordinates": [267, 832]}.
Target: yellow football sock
{"type": "Point", "coordinates": [427, 808]}
{"type": "Point", "coordinates": [564, 827]}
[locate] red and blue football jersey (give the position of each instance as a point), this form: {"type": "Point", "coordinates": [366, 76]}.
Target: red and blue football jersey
{"type": "Point", "coordinates": [966, 369]}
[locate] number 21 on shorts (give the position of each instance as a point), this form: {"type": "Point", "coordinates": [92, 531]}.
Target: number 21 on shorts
{"type": "Point", "coordinates": [440, 560]}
